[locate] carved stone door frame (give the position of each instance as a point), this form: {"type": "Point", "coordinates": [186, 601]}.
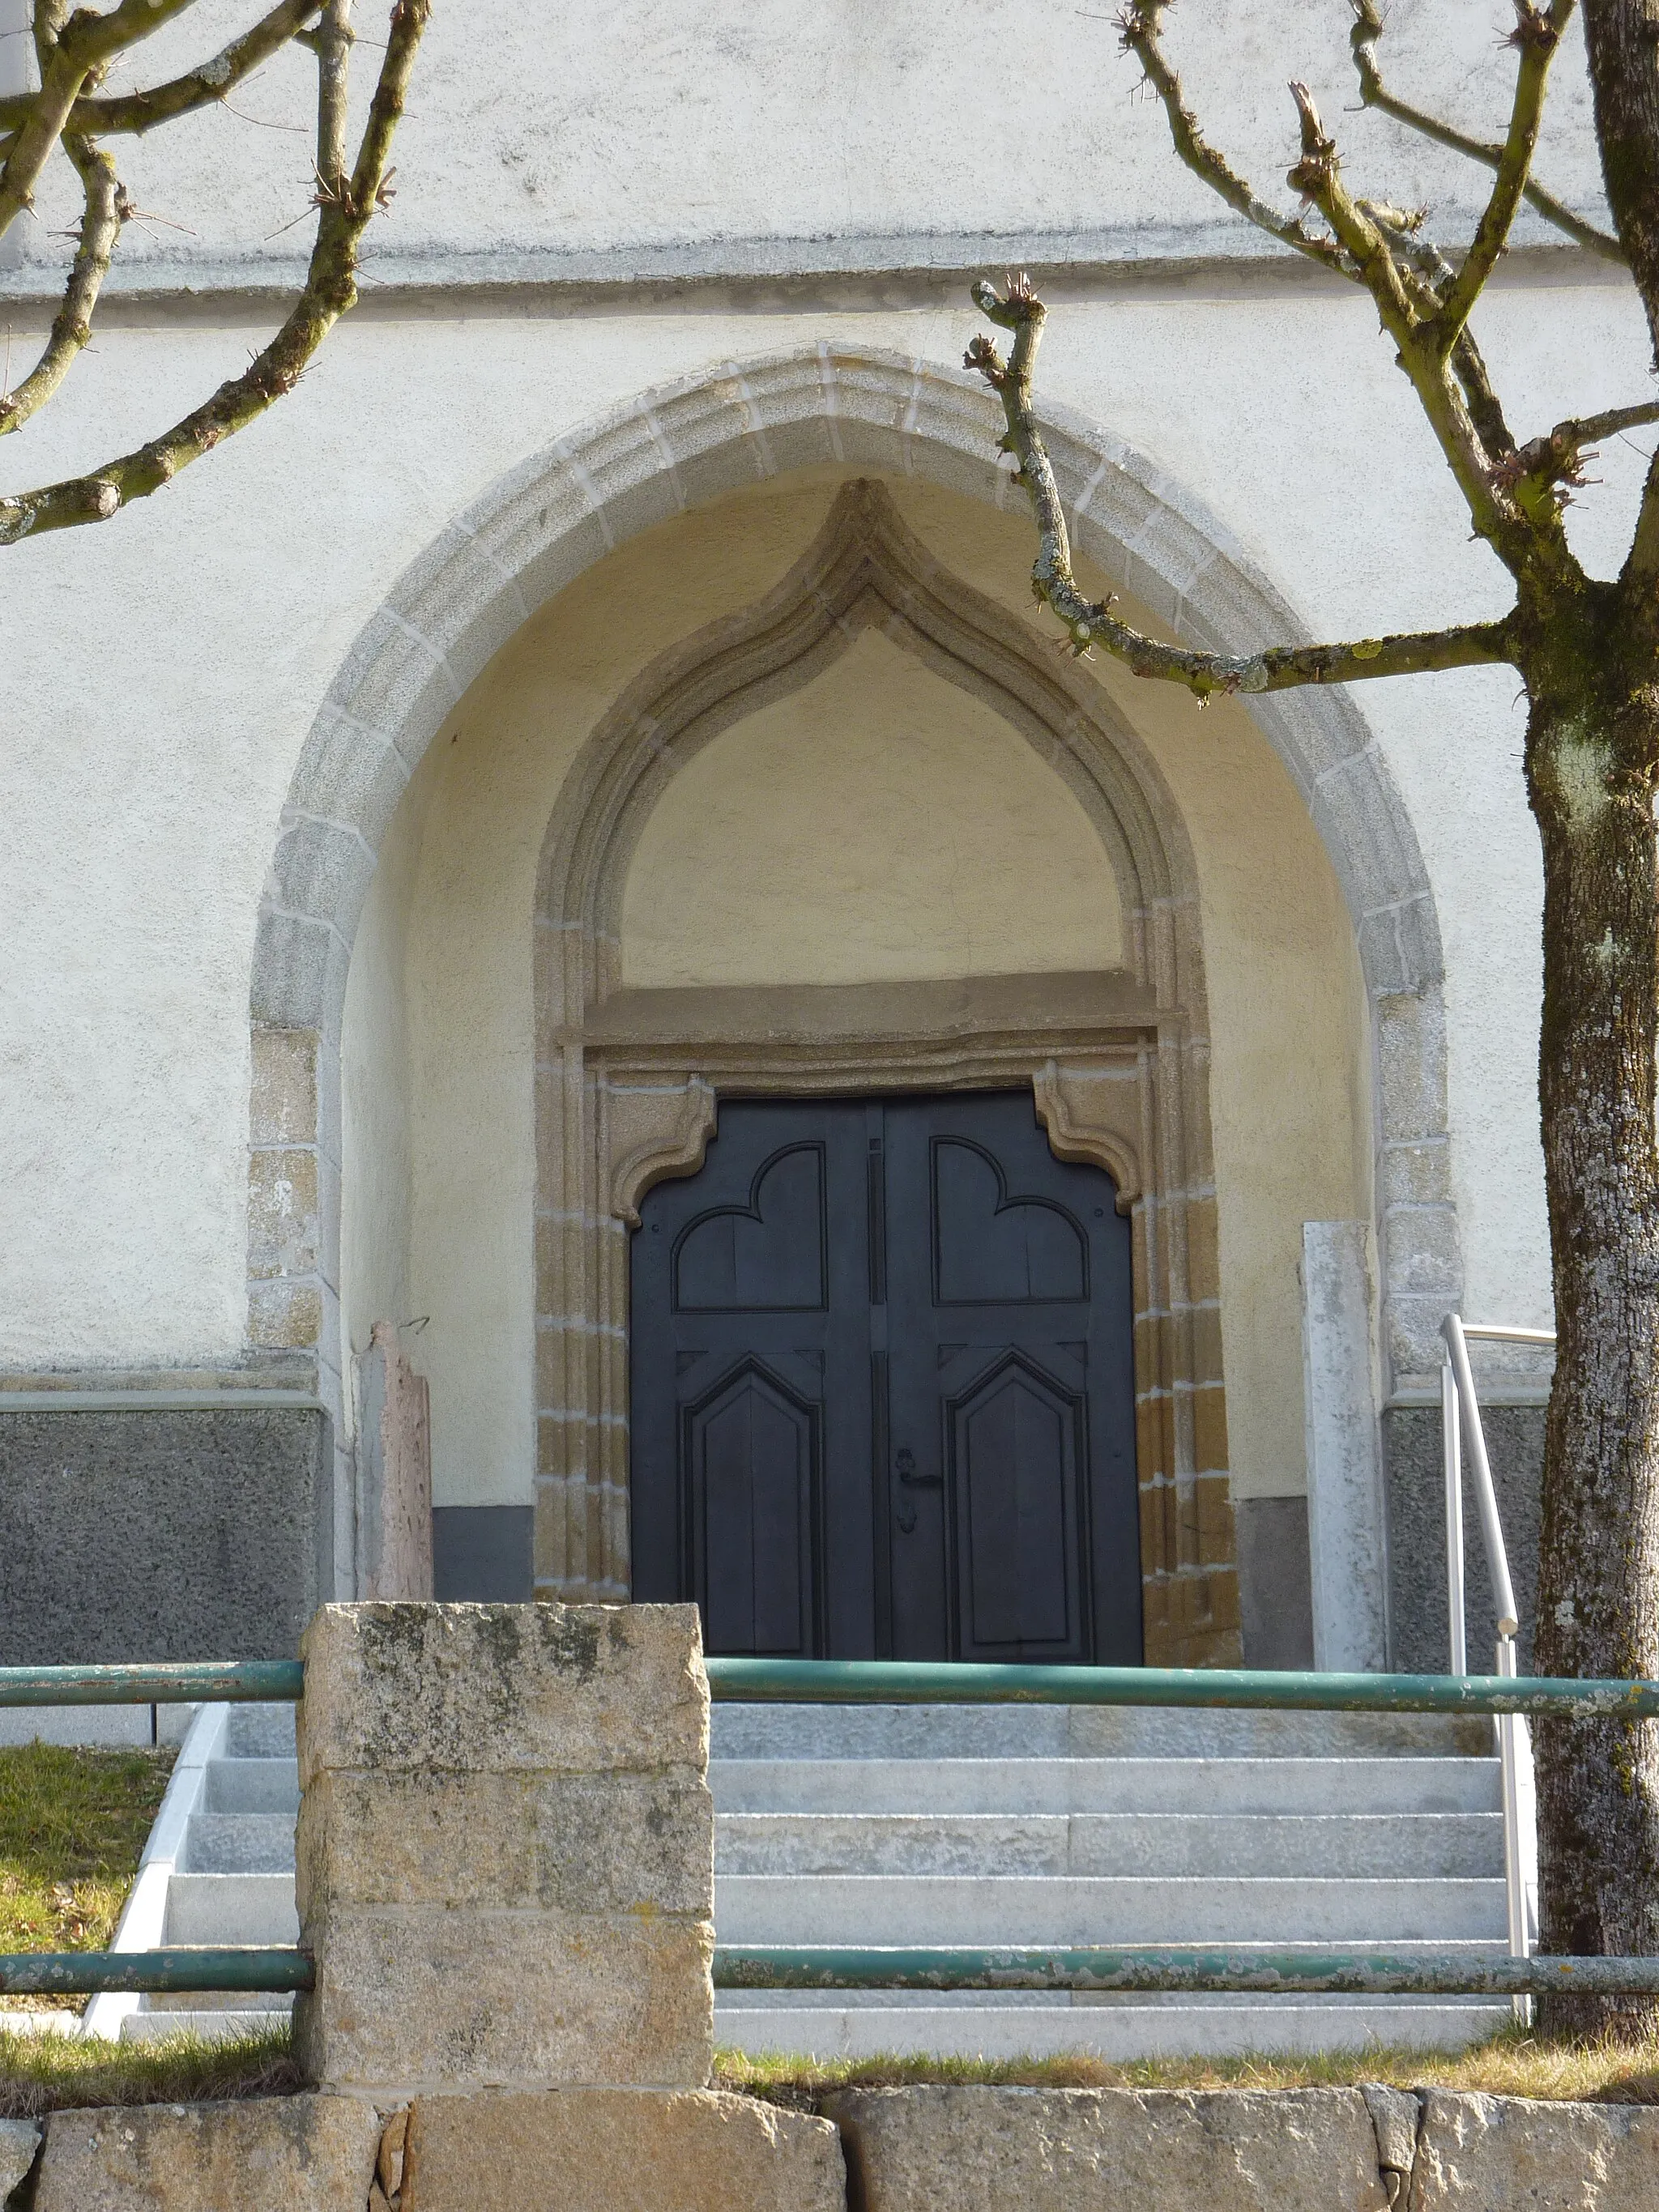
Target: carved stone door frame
{"type": "Point", "coordinates": [628, 1081]}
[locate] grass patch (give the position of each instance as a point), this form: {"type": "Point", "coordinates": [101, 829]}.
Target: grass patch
{"type": "Point", "coordinates": [1514, 2063]}
{"type": "Point", "coordinates": [72, 1824]}
{"type": "Point", "coordinates": [57, 2072]}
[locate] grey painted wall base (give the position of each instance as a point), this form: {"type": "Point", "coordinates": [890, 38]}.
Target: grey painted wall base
{"type": "Point", "coordinates": [162, 1534]}
{"type": "Point", "coordinates": [1417, 1533]}
{"type": "Point", "coordinates": [1274, 1586]}
{"type": "Point", "coordinates": [481, 1555]}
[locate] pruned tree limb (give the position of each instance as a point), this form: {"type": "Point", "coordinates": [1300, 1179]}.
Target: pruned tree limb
{"type": "Point", "coordinates": [1141, 23]}
{"type": "Point", "coordinates": [333, 71]}
{"type": "Point", "coordinates": [1537, 34]}
{"type": "Point", "coordinates": [106, 209]}
{"type": "Point", "coordinates": [85, 46]}
{"type": "Point", "coordinates": [1424, 259]}
{"type": "Point", "coordinates": [1522, 542]}
{"type": "Point", "coordinates": [202, 87]}
{"type": "Point", "coordinates": [1374, 93]}
{"type": "Point", "coordinates": [329, 291]}
{"type": "Point", "coordinates": [1088, 623]}
{"type": "Point", "coordinates": [1375, 246]}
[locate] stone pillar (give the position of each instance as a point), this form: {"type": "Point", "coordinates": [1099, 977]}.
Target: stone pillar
{"type": "Point", "coordinates": [505, 1848]}
{"type": "Point", "coordinates": [1347, 1525]}
{"type": "Point", "coordinates": [394, 1471]}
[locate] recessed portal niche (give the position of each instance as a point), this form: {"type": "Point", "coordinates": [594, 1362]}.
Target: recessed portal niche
{"type": "Point", "coordinates": [652, 1010]}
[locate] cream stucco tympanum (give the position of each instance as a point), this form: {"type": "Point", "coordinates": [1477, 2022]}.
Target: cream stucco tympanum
{"type": "Point", "coordinates": [879, 826]}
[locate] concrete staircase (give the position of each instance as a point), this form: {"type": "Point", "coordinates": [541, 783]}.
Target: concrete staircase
{"type": "Point", "coordinates": [942, 1825]}
{"type": "Point", "coordinates": [218, 1868]}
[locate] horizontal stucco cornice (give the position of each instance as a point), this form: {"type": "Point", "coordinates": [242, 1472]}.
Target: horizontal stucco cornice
{"type": "Point", "coordinates": [1018, 1005]}
{"type": "Point", "coordinates": [849, 275]}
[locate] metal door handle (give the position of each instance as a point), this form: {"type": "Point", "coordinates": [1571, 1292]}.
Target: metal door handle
{"type": "Point", "coordinates": [907, 1472]}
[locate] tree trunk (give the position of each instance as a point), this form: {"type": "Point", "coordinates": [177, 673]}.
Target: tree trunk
{"type": "Point", "coordinates": [1622, 39]}
{"type": "Point", "coordinates": [1592, 742]}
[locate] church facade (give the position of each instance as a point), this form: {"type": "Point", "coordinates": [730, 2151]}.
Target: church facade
{"type": "Point", "coordinates": [569, 848]}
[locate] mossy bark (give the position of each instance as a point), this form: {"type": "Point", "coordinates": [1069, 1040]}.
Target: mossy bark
{"type": "Point", "coordinates": [1592, 747]}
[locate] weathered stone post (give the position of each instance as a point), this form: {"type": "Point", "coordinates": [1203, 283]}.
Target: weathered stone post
{"type": "Point", "coordinates": [506, 1848]}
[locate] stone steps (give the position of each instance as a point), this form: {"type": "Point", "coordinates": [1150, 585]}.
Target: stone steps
{"type": "Point", "coordinates": [1196, 2027]}
{"type": "Point", "coordinates": [942, 1909]}
{"type": "Point", "coordinates": [1104, 1785]}
{"type": "Point", "coordinates": [990, 1825]}
{"type": "Point", "coordinates": [240, 1843]}
{"type": "Point", "coordinates": [1208, 1845]}
{"type": "Point", "coordinates": [232, 1908]}
{"type": "Point", "coordinates": [948, 1825]}
{"type": "Point", "coordinates": [812, 1733]}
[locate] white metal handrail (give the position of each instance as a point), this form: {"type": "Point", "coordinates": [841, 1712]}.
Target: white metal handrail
{"type": "Point", "coordinates": [1459, 1410]}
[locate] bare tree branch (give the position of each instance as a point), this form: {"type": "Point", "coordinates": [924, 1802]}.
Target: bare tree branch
{"type": "Point", "coordinates": [1364, 246]}
{"type": "Point", "coordinates": [106, 209]}
{"type": "Point", "coordinates": [201, 87]}
{"type": "Point", "coordinates": [1279, 668]}
{"type": "Point", "coordinates": [1373, 93]}
{"type": "Point", "coordinates": [1515, 537]}
{"type": "Point", "coordinates": [1141, 23]}
{"type": "Point", "coordinates": [329, 291]}
{"type": "Point", "coordinates": [1537, 34]}
{"type": "Point", "coordinates": [86, 45]}
{"type": "Point", "coordinates": [334, 69]}
{"type": "Point", "coordinates": [1421, 256]}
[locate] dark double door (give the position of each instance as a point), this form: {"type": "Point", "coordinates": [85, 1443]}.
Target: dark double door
{"type": "Point", "coordinates": [883, 1398]}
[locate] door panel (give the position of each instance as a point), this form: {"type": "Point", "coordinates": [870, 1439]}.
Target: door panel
{"type": "Point", "coordinates": [767, 1256]}
{"type": "Point", "coordinates": [883, 1394]}
{"type": "Point", "coordinates": [751, 1461]}
{"type": "Point", "coordinates": [1017, 1508]}
{"type": "Point", "coordinates": [749, 1386]}
{"type": "Point", "coordinates": [992, 1250]}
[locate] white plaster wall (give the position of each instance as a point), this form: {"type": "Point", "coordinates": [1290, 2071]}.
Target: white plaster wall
{"type": "Point", "coordinates": [163, 671]}
{"type": "Point", "coordinates": [542, 137]}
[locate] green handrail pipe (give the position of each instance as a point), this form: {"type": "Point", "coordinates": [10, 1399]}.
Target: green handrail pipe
{"type": "Point", "coordinates": [776, 1966]}
{"type": "Point", "coordinates": [188, 1682]}
{"type": "Point", "coordinates": [85, 1973]}
{"type": "Point", "coordinates": [1257, 1689]}
{"type": "Point", "coordinates": [905, 1681]}
{"type": "Point", "coordinates": [1427, 1972]}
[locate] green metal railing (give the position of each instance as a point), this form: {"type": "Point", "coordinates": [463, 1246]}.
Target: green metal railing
{"type": "Point", "coordinates": [1195, 1967]}
{"type": "Point", "coordinates": [916, 1682]}
{"type": "Point", "coordinates": [1126, 1968]}
{"type": "Point", "coordinates": [191, 1682]}
{"type": "Point", "coordinates": [219, 1968]}
{"type": "Point", "coordinates": [87, 1973]}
